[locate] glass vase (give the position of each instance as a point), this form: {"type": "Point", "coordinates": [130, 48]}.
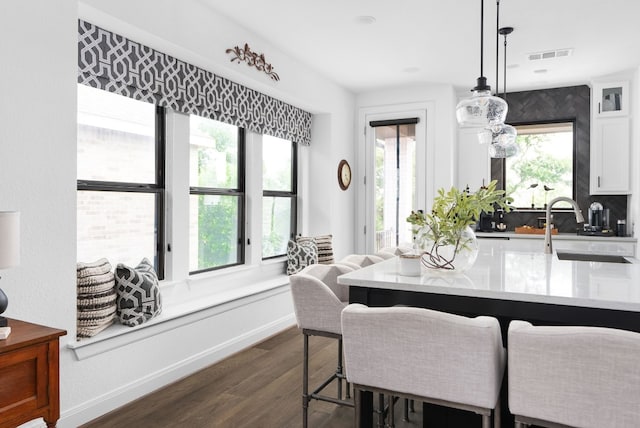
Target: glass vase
{"type": "Point", "coordinates": [453, 254]}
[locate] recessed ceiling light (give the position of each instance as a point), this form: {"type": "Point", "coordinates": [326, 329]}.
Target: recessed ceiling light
{"type": "Point", "coordinates": [540, 71]}
{"type": "Point", "coordinates": [365, 19]}
{"type": "Point", "coordinates": [411, 69]}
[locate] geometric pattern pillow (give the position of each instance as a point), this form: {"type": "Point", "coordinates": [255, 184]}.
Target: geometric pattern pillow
{"type": "Point", "coordinates": [300, 255]}
{"type": "Point", "coordinates": [138, 293]}
{"type": "Point", "coordinates": [325, 248]}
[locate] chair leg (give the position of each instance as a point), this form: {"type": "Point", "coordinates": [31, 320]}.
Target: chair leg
{"type": "Point", "coordinates": [305, 381]}
{"type": "Point", "coordinates": [405, 410]}
{"type": "Point", "coordinates": [497, 412]}
{"type": "Point", "coordinates": [339, 369]}
{"type": "Point", "coordinates": [391, 414]}
{"type": "Point", "coordinates": [380, 410]}
{"type": "Point", "coordinates": [411, 408]}
{"type": "Point", "coordinates": [519, 424]}
{"type": "Point", "coordinates": [486, 421]}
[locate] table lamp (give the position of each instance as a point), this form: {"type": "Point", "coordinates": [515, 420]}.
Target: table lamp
{"type": "Point", "coordinates": [9, 250]}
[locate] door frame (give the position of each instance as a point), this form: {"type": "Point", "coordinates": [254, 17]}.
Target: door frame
{"type": "Point", "coordinates": [425, 150]}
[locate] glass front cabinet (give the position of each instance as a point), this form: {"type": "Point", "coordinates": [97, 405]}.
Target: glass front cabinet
{"type": "Point", "coordinates": [611, 99]}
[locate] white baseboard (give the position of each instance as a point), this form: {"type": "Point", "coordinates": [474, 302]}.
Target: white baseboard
{"type": "Point", "coordinates": [100, 405]}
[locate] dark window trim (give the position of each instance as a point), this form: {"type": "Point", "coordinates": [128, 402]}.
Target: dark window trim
{"type": "Point", "coordinates": [574, 190]}
{"type": "Point", "coordinates": [392, 122]}
{"type": "Point", "coordinates": [293, 195]}
{"type": "Point", "coordinates": [157, 188]}
{"type": "Point", "coordinates": [240, 193]}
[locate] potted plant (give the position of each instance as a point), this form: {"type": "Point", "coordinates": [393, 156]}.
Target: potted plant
{"type": "Point", "coordinates": [444, 236]}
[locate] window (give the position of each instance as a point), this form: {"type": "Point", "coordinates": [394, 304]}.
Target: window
{"type": "Point", "coordinates": [216, 211]}
{"type": "Point", "coordinates": [279, 195]}
{"type": "Point", "coordinates": [120, 168]}
{"type": "Point", "coordinates": [544, 167]}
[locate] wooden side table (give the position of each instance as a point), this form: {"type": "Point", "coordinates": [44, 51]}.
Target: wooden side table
{"type": "Point", "coordinates": [29, 374]}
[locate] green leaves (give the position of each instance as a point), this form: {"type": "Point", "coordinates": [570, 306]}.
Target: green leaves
{"type": "Point", "coordinates": [455, 209]}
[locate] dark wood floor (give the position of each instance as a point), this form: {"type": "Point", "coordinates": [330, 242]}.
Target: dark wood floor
{"type": "Point", "coordinates": [259, 387]}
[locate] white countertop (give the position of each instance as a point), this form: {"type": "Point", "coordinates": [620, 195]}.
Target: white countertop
{"type": "Point", "coordinates": [509, 271]}
{"type": "Point", "coordinates": [559, 236]}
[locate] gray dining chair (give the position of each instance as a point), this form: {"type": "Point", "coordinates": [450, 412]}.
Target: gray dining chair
{"type": "Point", "coordinates": [426, 356]}
{"type": "Point", "coordinates": [573, 376]}
{"type": "Point", "coordinates": [357, 261]}
{"type": "Point", "coordinates": [318, 303]}
{"type": "Point", "coordinates": [390, 252]}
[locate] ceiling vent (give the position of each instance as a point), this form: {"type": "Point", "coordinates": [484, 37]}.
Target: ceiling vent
{"type": "Point", "coordinates": [558, 53]}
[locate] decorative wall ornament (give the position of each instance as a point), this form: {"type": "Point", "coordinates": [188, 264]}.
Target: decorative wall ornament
{"type": "Point", "coordinates": [116, 64]}
{"type": "Point", "coordinates": [253, 59]}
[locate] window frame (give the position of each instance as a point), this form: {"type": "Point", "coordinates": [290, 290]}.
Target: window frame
{"type": "Point", "coordinates": [292, 195]}
{"type": "Point", "coordinates": [240, 192]}
{"type": "Point", "coordinates": [503, 164]}
{"type": "Point", "coordinates": [158, 189]}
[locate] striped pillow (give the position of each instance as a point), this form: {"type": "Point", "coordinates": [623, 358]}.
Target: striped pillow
{"type": "Point", "coordinates": [96, 298]}
{"type": "Point", "coordinates": [325, 247]}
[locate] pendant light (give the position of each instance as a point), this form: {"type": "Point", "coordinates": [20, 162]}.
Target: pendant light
{"type": "Point", "coordinates": [481, 109]}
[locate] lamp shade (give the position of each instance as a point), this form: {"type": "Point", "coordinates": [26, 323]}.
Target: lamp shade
{"type": "Point", "coordinates": [9, 239]}
{"type": "Point", "coordinates": [481, 109]}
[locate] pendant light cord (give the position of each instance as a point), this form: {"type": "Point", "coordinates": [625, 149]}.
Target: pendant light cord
{"type": "Point", "coordinates": [481, 37]}
{"type": "Point", "coordinates": [497, 44]}
{"type": "Point", "coordinates": [504, 72]}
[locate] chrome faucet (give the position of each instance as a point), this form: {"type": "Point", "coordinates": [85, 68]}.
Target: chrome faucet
{"type": "Point", "coordinates": [548, 249]}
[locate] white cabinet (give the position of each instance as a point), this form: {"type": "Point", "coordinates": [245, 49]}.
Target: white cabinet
{"type": "Point", "coordinates": [610, 140]}
{"type": "Point", "coordinates": [610, 156]}
{"type": "Point", "coordinates": [474, 163]}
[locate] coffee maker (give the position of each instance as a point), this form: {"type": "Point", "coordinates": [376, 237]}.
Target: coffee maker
{"type": "Point", "coordinates": [598, 219]}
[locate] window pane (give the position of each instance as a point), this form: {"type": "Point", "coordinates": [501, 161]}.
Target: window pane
{"type": "Point", "coordinates": [276, 164]}
{"type": "Point", "coordinates": [116, 137]}
{"type": "Point", "coordinates": [395, 183]}
{"type": "Point", "coordinates": [276, 225]}
{"type": "Point", "coordinates": [213, 239]}
{"type": "Point", "coordinates": [543, 169]}
{"type": "Point", "coordinates": [213, 154]}
{"type": "Point", "coordinates": [119, 226]}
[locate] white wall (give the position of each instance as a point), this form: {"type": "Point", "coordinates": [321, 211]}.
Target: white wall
{"type": "Point", "coordinates": [633, 206]}
{"type": "Point", "coordinates": [38, 157]}
{"type": "Point", "coordinates": [38, 177]}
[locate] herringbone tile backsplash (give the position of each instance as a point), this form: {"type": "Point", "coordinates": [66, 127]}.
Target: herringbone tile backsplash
{"type": "Point", "coordinates": [556, 105]}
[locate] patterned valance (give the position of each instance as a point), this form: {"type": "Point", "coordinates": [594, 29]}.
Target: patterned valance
{"type": "Point", "coordinates": [114, 63]}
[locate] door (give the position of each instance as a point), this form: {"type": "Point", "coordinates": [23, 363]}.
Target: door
{"type": "Point", "coordinates": [395, 177]}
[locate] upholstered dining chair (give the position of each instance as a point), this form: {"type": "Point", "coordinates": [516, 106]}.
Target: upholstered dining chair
{"type": "Point", "coordinates": [425, 355]}
{"type": "Point", "coordinates": [390, 252]}
{"type": "Point", "coordinates": [318, 303]}
{"type": "Point", "coordinates": [357, 261]}
{"type": "Point", "coordinates": [573, 376]}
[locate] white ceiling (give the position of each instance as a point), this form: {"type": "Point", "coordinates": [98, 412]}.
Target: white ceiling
{"type": "Point", "coordinates": [425, 41]}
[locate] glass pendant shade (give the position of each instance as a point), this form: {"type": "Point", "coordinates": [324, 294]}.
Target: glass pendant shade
{"type": "Point", "coordinates": [481, 109]}
{"type": "Point", "coordinates": [501, 139]}
{"type": "Point", "coordinates": [499, 151]}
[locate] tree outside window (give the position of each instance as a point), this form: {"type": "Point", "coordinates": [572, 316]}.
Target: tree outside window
{"type": "Point", "coordinates": [543, 169]}
{"type": "Point", "coordinates": [216, 200]}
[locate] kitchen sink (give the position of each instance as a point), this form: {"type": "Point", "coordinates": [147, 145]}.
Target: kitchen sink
{"type": "Point", "coordinates": [605, 258]}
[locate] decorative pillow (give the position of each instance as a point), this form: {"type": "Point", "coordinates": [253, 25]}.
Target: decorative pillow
{"type": "Point", "coordinates": [138, 293]}
{"type": "Point", "coordinates": [325, 247]}
{"type": "Point", "coordinates": [96, 298]}
{"type": "Point", "coordinates": [300, 255]}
